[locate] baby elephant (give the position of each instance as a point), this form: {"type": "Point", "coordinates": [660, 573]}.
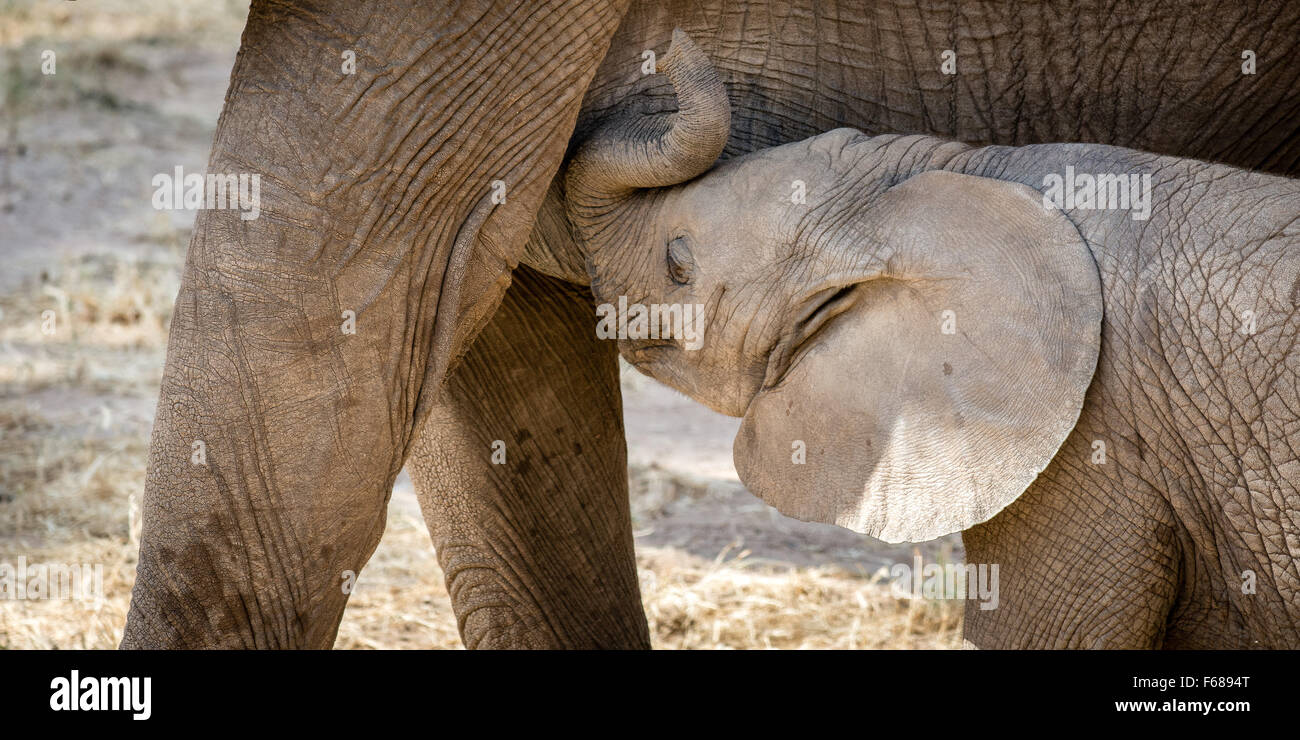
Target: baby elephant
{"type": "Point", "coordinates": [1085, 358]}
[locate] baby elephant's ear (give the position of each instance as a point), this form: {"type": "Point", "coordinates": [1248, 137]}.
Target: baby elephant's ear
{"type": "Point", "coordinates": [938, 398]}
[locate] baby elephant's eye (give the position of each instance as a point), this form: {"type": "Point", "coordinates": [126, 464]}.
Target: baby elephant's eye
{"type": "Point", "coordinates": [681, 265]}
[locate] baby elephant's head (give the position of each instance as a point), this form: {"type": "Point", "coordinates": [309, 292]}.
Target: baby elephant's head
{"type": "Point", "coordinates": [907, 355]}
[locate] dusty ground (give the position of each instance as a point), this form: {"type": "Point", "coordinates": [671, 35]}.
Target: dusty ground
{"type": "Point", "coordinates": [137, 90]}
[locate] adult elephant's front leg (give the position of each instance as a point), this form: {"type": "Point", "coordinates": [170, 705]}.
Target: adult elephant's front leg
{"type": "Point", "coordinates": [308, 342]}
{"type": "Point", "coordinates": [521, 470]}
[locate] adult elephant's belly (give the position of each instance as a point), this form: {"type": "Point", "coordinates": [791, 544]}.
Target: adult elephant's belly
{"type": "Point", "coordinates": [963, 71]}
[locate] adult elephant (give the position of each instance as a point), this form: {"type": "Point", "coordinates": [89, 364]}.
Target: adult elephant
{"type": "Point", "coordinates": [284, 419]}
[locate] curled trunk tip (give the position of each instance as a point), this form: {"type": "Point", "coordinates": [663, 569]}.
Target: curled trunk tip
{"type": "Point", "coordinates": [632, 152]}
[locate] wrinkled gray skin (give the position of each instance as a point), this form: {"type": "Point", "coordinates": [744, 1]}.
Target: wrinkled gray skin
{"type": "Point", "coordinates": [376, 200]}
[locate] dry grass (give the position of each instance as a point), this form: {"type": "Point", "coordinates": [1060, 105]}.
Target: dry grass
{"type": "Point", "coordinates": [28, 21]}
{"type": "Point", "coordinates": [86, 511]}
{"type": "Point", "coordinates": [70, 473]}
{"type": "Point", "coordinates": [690, 603]}
{"type": "Point", "coordinates": [693, 604]}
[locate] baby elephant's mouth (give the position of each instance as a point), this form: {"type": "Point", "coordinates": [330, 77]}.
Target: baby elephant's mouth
{"type": "Point", "coordinates": [816, 313]}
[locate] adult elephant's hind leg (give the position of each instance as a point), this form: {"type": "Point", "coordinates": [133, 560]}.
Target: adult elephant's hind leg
{"type": "Point", "coordinates": [521, 471]}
